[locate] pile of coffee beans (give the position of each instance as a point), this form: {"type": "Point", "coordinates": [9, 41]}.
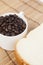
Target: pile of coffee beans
{"type": "Point", "coordinates": [11, 25]}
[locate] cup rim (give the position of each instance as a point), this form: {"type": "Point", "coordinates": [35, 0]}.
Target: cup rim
{"type": "Point", "coordinates": [23, 18]}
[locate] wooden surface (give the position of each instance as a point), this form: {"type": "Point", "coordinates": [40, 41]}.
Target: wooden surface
{"type": "Point", "coordinates": [33, 11]}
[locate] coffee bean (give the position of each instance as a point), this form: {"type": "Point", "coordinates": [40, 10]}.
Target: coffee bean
{"type": "Point", "coordinates": [23, 26]}
{"type": "Point", "coordinates": [0, 29]}
{"type": "Point", "coordinates": [9, 20]}
{"type": "Point", "coordinates": [11, 25]}
{"type": "Point", "coordinates": [15, 25]}
{"type": "Point", "coordinates": [16, 32]}
{"type": "Point", "coordinates": [12, 18]}
{"type": "Point", "coordinates": [3, 24]}
{"type": "Point", "coordinates": [13, 29]}
{"type": "Point", "coordinates": [12, 33]}
{"type": "Point", "coordinates": [1, 18]}
{"type": "Point", "coordinates": [7, 34]}
{"type": "Point", "coordinates": [3, 32]}
{"type": "Point", "coordinates": [6, 29]}
{"type": "Point", "coordinates": [6, 17]}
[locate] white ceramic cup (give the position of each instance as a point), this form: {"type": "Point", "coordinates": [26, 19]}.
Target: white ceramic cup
{"type": "Point", "coordinates": [9, 42]}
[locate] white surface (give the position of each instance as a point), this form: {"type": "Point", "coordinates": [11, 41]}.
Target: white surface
{"type": "Point", "coordinates": [41, 0]}
{"type": "Point", "coordinates": [31, 48]}
{"type": "Point", "coordinates": [9, 42]}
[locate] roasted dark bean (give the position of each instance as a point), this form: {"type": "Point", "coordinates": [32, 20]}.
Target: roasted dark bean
{"type": "Point", "coordinates": [11, 25]}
